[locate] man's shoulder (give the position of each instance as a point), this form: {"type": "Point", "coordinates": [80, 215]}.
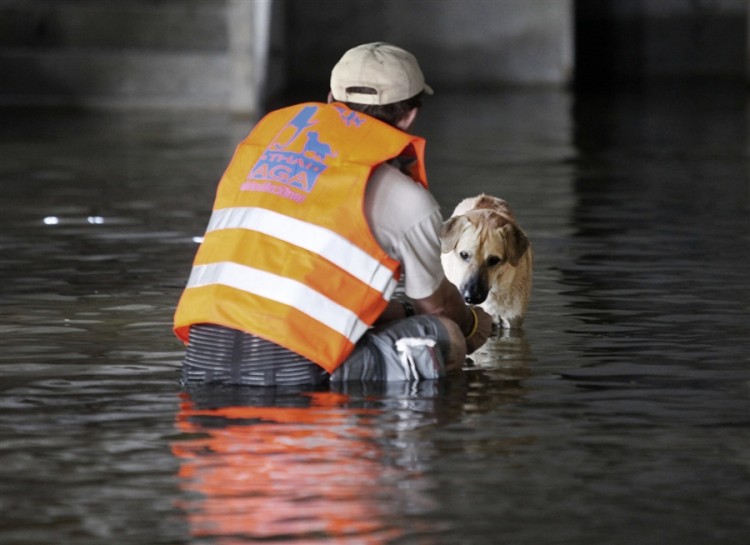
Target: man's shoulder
{"type": "Point", "coordinates": [395, 203]}
{"type": "Point", "coordinates": [388, 179]}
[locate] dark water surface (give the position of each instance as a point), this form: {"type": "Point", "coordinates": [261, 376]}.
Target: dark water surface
{"type": "Point", "coordinates": [621, 415]}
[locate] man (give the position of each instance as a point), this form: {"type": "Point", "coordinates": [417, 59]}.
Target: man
{"type": "Point", "coordinates": [321, 209]}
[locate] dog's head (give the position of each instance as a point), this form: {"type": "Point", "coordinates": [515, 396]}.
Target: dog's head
{"type": "Point", "coordinates": [486, 244]}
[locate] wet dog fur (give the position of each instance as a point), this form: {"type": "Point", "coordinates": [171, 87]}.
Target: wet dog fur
{"type": "Point", "coordinates": [489, 258]}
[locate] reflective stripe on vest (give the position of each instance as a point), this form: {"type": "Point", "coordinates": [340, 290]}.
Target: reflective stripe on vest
{"type": "Point", "coordinates": [282, 290]}
{"type": "Point", "coordinates": [313, 238]}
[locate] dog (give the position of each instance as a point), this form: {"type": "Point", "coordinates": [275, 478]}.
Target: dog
{"type": "Point", "coordinates": [489, 258]}
{"type": "Point", "coordinates": [316, 147]}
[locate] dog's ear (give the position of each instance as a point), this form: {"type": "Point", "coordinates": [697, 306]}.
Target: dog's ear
{"type": "Point", "coordinates": [450, 232]}
{"type": "Point", "coordinates": [516, 243]}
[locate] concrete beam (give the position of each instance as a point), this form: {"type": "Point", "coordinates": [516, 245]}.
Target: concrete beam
{"type": "Point", "coordinates": [249, 29]}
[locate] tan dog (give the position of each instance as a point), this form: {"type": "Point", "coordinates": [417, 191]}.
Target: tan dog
{"type": "Point", "coordinates": [489, 258]}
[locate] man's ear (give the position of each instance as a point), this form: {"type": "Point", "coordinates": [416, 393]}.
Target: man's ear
{"type": "Point", "coordinates": [407, 120]}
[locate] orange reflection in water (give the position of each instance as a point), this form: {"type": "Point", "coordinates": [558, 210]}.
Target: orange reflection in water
{"type": "Point", "coordinates": [294, 474]}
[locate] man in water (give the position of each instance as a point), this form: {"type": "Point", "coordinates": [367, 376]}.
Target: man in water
{"type": "Point", "coordinates": [321, 210]}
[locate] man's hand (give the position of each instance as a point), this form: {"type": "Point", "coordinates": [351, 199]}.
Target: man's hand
{"type": "Point", "coordinates": [447, 301]}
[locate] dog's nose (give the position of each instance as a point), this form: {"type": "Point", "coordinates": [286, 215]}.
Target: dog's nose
{"type": "Point", "coordinates": [474, 291]}
{"type": "Point", "coordinates": [474, 298]}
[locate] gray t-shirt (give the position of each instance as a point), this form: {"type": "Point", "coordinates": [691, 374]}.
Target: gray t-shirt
{"type": "Point", "coordinates": [405, 219]}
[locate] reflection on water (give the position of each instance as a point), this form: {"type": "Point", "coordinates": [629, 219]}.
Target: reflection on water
{"type": "Point", "coordinates": [618, 415]}
{"type": "Point", "coordinates": [293, 468]}
{"type": "Point", "coordinates": [507, 353]}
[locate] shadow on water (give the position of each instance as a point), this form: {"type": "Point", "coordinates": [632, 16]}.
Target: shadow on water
{"type": "Point", "coordinates": [618, 415]}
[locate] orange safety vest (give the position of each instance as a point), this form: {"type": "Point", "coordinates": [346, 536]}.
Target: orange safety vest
{"type": "Point", "coordinates": [288, 254]}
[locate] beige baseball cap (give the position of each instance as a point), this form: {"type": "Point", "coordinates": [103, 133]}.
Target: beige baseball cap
{"type": "Point", "coordinates": [377, 73]}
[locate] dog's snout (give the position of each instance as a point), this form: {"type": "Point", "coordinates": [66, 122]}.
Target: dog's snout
{"type": "Point", "coordinates": [474, 292]}
{"type": "Point", "coordinates": [473, 299]}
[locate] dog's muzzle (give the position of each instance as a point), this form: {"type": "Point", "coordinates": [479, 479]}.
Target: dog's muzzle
{"type": "Point", "coordinates": [475, 291]}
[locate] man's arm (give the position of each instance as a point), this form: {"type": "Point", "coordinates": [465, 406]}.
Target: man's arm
{"type": "Point", "coordinates": [446, 301]}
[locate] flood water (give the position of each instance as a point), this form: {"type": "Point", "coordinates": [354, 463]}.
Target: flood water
{"type": "Point", "coordinates": [620, 415]}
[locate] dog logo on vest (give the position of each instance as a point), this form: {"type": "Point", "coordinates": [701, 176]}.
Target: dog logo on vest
{"type": "Point", "coordinates": [316, 147]}
{"type": "Point", "coordinates": [349, 117]}
{"type": "Point", "coordinates": [286, 160]}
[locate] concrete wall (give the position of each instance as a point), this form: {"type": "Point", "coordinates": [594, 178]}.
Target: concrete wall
{"type": "Point", "coordinates": [212, 53]}
{"type": "Point", "coordinates": [102, 53]}
{"type": "Point", "coordinates": [459, 43]}
{"type": "Point", "coordinates": [231, 54]}
{"type": "Point", "coordinates": [170, 53]}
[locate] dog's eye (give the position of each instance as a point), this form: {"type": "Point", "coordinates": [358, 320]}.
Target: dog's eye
{"type": "Point", "coordinates": [494, 260]}
{"type": "Point", "coordinates": [464, 255]}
